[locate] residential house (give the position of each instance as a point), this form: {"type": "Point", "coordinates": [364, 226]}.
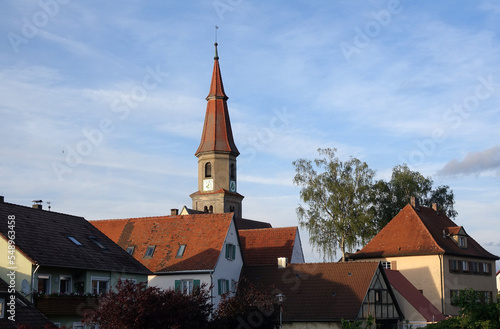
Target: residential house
{"type": "Point", "coordinates": [16, 310]}
{"type": "Point", "coordinates": [321, 295]}
{"type": "Point", "coordinates": [264, 246]}
{"type": "Point", "coordinates": [63, 255]}
{"type": "Point", "coordinates": [417, 310]}
{"type": "Point", "coordinates": [438, 257]}
{"type": "Point", "coordinates": [182, 251]}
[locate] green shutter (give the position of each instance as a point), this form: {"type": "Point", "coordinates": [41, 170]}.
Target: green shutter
{"type": "Point", "coordinates": [234, 252]}
{"type": "Point", "coordinates": [196, 284]}
{"type": "Point", "coordinates": [227, 250]}
{"type": "Point", "coordinates": [177, 285]}
{"type": "Point", "coordinates": [220, 286]}
{"type": "Point", "coordinates": [227, 285]}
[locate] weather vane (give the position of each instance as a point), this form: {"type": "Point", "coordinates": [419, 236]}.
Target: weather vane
{"type": "Point", "coordinates": [216, 28]}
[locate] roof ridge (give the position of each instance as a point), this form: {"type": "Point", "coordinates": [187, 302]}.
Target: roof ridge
{"type": "Point", "coordinates": [428, 232]}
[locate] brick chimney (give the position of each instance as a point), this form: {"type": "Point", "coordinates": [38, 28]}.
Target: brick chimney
{"type": "Point", "coordinates": [415, 202]}
{"type": "Point", "coordinates": [435, 207]}
{"type": "Point", "coordinates": [37, 204]}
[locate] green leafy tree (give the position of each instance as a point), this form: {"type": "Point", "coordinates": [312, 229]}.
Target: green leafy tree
{"type": "Point", "coordinates": [390, 197]}
{"type": "Point", "coordinates": [337, 197]}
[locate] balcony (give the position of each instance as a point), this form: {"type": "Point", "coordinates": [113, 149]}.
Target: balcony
{"type": "Point", "coordinates": [65, 305]}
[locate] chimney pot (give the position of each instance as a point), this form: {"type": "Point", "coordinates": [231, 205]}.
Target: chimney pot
{"type": "Point", "coordinates": [37, 204]}
{"type": "Point", "coordinates": [282, 262]}
{"type": "Point", "coordinates": [174, 212]}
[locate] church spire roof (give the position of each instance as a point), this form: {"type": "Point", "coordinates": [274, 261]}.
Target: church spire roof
{"type": "Point", "coordinates": [217, 135]}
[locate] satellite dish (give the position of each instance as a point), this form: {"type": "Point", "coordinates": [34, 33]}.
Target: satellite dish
{"type": "Point", "coordinates": [25, 287]}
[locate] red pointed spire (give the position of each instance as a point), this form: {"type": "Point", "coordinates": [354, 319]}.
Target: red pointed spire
{"type": "Point", "coordinates": [217, 135]}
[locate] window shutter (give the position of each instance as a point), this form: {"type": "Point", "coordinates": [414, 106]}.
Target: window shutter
{"type": "Point", "coordinates": [177, 285]}
{"type": "Point", "coordinates": [227, 285]}
{"type": "Point", "coordinates": [227, 250]}
{"type": "Point", "coordinates": [219, 282]}
{"type": "Point", "coordinates": [234, 252]}
{"type": "Point", "coordinates": [196, 284]}
{"type": "Point", "coordinates": [393, 265]}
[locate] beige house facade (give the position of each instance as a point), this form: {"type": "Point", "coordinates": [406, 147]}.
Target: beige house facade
{"type": "Point", "coordinates": [438, 257]}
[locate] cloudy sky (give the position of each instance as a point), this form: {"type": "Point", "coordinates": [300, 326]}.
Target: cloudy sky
{"type": "Point", "coordinates": [102, 103]}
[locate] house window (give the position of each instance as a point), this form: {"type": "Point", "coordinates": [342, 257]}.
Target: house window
{"type": "Point", "coordinates": [64, 284]}
{"type": "Point", "coordinates": [453, 265]}
{"type": "Point", "coordinates": [230, 251]}
{"type": "Point", "coordinates": [2, 308]}
{"type": "Point", "coordinates": [130, 250]}
{"type": "Point", "coordinates": [223, 286]}
{"type": "Point", "coordinates": [134, 281]}
{"type": "Point", "coordinates": [465, 266]}
{"type": "Point", "coordinates": [208, 169]}
{"type": "Point", "coordinates": [386, 265]}
{"type": "Point", "coordinates": [234, 285]}
{"type": "Point", "coordinates": [97, 242]}
{"type": "Point", "coordinates": [78, 325]}
{"type": "Point", "coordinates": [474, 267]}
{"type": "Point", "coordinates": [486, 268]}
{"type": "Point", "coordinates": [75, 241]}
{"type": "Point", "coordinates": [149, 252]}
{"type": "Point", "coordinates": [100, 285]}
{"type": "Point", "coordinates": [453, 297]}
{"type": "Point", "coordinates": [487, 296]}
{"type": "Point", "coordinates": [462, 242]}
{"type": "Point", "coordinates": [211, 209]}
{"type": "Point", "coordinates": [44, 283]}
{"type": "Point", "coordinates": [186, 286]}
{"type": "Point", "coordinates": [180, 252]}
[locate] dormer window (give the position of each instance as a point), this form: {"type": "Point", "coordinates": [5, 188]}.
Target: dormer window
{"type": "Point", "coordinates": [130, 250]}
{"type": "Point", "coordinates": [97, 242]}
{"type": "Point", "coordinates": [462, 242]}
{"type": "Point", "coordinates": [181, 250]}
{"type": "Point", "coordinates": [149, 252]}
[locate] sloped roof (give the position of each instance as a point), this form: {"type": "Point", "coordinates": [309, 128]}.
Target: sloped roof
{"type": "Point", "coordinates": [203, 235]}
{"type": "Point", "coordinates": [217, 135]}
{"type": "Point", "coordinates": [413, 296]}
{"type": "Point", "coordinates": [316, 291]}
{"type": "Point", "coordinates": [43, 237]}
{"type": "Point", "coordinates": [249, 224]}
{"type": "Point", "coordinates": [264, 246]}
{"type": "Point", "coordinates": [419, 232]}
{"type": "Point", "coordinates": [26, 313]}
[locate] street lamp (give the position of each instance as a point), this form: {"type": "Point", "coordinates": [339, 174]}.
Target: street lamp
{"type": "Point", "coordinates": [281, 298]}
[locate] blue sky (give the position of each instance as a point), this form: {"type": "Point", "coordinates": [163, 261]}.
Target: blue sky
{"type": "Point", "coordinates": [103, 102]}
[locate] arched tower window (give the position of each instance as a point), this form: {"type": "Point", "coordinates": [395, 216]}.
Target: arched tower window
{"type": "Point", "coordinates": [232, 171]}
{"type": "Point", "coordinates": [208, 169]}
{"type": "Point", "coordinates": [205, 209]}
{"type": "Point", "coordinates": [211, 209]}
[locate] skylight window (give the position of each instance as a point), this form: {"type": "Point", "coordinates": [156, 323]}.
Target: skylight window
{"type": "Point", "coordinates": [97, 242]}
{"type": "Point", "coordinates": [75, 241]}
{"type": "Point", "coordinates": [180, 252]}
{"type": "Point", "coordinates": [149, 252]}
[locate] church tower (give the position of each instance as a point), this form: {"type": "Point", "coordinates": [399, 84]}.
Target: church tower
{"type": "Point", "coordinates": [217, 180]}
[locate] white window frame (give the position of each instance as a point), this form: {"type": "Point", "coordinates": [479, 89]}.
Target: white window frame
{"type": "Point", "coordinates": [130, 250]}
{"type": "Point", "coordinates": [180, 251]}
{"type": "Point", "coordinates": [99, 279]}
{"type": "Point", "coordinates": [462, 242]}
{"type": "Point", "coordinates": [187, 286]}
{"type": "Point", "coordinates": [134, 281]}
{"type": "Point", "coordinates": [78, 325]}
{"type": "Point", "coordinates": [486, 268]}
{"type": "Point", "coordinates": [45, 277]}
{"type": "Point", "coordinates": [148, 254]}
{"type": "Point", "coordinates": [465, 266]}
{"type": "Point", "coordinates": [386, 265]}
{"type": "Point", "coordinates": [70, 281]}
{"type": "Point", "coordinates": [230, 251]}
{"type": "Point", "coordinates": [223, 286]}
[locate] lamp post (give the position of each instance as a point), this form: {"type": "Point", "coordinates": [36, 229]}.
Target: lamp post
{"type": "Point", "coordinates": [281, 298]}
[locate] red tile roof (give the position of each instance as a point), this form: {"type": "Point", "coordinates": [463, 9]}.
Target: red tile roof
{"type": "Point", "coordinates": [264, 246]}
{"type": "Point", "coordinates": [419, 232]}
{"type": "Point", "coordinates": [217, 134]}
{"type": "Point", "coordinates": [203, 235]}
{"type": "Point", "coordinates": [317, 291]}
{"type": "Point", "coordinates": [414, 297]}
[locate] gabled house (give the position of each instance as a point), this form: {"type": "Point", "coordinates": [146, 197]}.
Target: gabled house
{"type": "Point", "coordinates": [182, 251]}
{"type": "Point", "coordinates": [16, 310]}
{"type": "Point", "coordinates": [63, 255]}
{"type": "Point", "coordinates": [438, 257]}
{"type": "Point", "coordinates": [418, 311]}
{"type": "Point", "coordinates": [320, 295]}
{"type": "Point", "coordinates": [264, 246]}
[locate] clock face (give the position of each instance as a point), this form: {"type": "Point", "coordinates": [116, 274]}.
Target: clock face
{"type": "Point", "coordinates": [232, 186]}
{"type": "Point", "coordinates": [208, 184]}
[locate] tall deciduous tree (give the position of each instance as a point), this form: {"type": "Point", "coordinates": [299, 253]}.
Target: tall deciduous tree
{"type": "Point", "coordinates": [390, 197]}
{"type": "Point", "coordinates": [337, 197]}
